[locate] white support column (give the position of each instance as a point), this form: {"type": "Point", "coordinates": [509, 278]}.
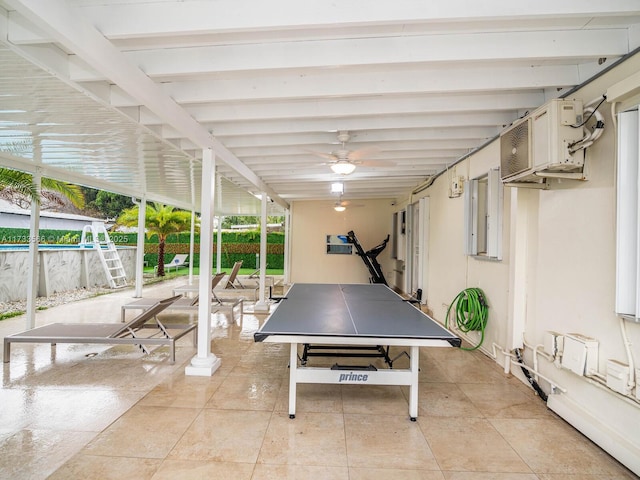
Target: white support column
{"type": "Point", "coordinates": [205, 362]}
{"type": "Point", "coordinates": [34, 271]}
{"type": "Point", "coordinates": [219, 246]}
{"type": "Point", "coordinates": [261, 304]}
{"type": "Point", "coordinates": [192, 240]}
{"type": "Point", "coordinates": [287, 246]}
{"type": "Point", "coordinates": [142, 210]}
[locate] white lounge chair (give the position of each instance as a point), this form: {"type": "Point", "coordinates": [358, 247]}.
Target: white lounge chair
{"type": "Point", "coordinates": [185, 303]}
{"type": "Point", "coordinates": [179, 260]}
{"type": "Point", "coordinates": [131, 333]}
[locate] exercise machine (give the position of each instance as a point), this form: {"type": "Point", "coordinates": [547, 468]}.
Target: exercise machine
{"type": "Point", "coordinates": [369, 257]}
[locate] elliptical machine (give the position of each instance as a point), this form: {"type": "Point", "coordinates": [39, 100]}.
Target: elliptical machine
{"type": "Point", "coordinates": [369, 257]}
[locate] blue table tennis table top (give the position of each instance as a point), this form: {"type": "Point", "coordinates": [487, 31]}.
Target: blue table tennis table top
{"type": "Point", "coordinates": [350, 310]}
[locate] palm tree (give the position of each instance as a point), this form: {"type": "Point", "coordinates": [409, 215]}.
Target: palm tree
{"type": "Point", "coordinates": [161, 220]}
{"type": "Point", "coordinates": [22, 183]}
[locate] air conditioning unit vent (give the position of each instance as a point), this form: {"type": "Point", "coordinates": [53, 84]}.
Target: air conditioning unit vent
{"type": "Point", "coordinates": [538, 145]}
{"type": "Point", "coordinates": [515, 155]}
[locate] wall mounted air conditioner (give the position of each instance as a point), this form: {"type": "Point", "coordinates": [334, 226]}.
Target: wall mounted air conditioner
{"type": "Point", "coordinates": [537, 146]}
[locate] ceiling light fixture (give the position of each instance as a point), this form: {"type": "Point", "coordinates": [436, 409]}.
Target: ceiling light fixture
{"type": "Point", "coordinates": [337, 187]}
{"type": "Point", "coordinates": [339, 208]}
{"type": "Point", "coordinates": [343, 168]}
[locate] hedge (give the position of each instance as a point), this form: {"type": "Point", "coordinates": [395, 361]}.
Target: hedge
{"type": "Point", "coordinates": [235, 245]}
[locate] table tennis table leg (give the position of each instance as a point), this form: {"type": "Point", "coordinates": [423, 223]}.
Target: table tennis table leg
{"type": "Point", "coordinates": [293, 367]}
{"type": "Point", "coordinates": [413, 388]}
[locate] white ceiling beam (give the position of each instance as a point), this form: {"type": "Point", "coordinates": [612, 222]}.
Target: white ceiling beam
{"type": "Point", "coordinates": [378, 139]}
{"type": "Point", "coordinates": [159, 19]}
{"type": "Point", "coordinates": [396, 156]}
{"type": "Point", "coordinates": [521, 47]}
{"type": "Point", "coordinates": [331, 126]}
{"type": "Point", "coordinates": [372, 105]}
{"type": "Point", "coordinates": [75, 33]}
{"type": "Point", "coordinates": [329, 83]}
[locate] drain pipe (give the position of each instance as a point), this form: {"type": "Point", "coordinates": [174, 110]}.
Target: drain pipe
{"type": "Point", "coordinates": [507, 357]}
{"type": "Point", "coordinates": [627, 345]}
{"type": "Point", "coordinates": [533, 383]}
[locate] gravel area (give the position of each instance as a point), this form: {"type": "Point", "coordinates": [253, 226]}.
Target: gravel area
{"type": "Point", "coordinates": [60, 298]}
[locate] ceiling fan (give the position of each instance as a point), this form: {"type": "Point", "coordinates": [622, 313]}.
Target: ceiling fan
{"type": "Point", "coordinates": [341, 205]}
{"type": "Point", "coordinates": [344, 161]}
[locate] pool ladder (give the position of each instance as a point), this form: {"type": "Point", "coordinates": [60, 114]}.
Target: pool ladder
{"type": "Point", "coordinates": [107, 253]}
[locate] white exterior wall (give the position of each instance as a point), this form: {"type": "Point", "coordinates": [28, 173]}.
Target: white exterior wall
{"type": "Point", "coordinates": [569, 276]}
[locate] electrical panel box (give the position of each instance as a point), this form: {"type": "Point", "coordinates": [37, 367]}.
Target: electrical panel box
{"type": "Point", "coordinates": [456, 187]}
{"type": "Point", "coordinates": [580, 354]}
{"type": "Point", "coordinates": [618, 376]}
{"type": "Point", "coordinates": [553, 343]}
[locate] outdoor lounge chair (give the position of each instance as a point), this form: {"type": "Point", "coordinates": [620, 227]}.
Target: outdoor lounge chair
{"type": "Point", "coordinates": [234, 283]}
{"type": "Point", "coordinates": [185, 303]}
{"type": "Point", "coordinates": [233, 276]}
{"type": "Point", "coordinates": [179, 260]}
{"type": "Point", "coordinates": [144, 330]}
{"type": "Point", "coordinates": [195, 287]}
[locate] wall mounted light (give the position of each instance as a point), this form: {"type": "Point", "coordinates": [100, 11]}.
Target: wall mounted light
{"type": "Point", "coordinates": [337, 187]}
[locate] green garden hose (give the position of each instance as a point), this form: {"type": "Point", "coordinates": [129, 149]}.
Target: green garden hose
{"type": "Point", "coordinates": [472, 312]}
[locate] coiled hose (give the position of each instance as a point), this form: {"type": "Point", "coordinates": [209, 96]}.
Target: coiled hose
{"type": "Point", "coordinates": [471, 311]}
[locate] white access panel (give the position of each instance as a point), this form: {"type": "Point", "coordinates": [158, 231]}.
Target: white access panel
{"type": "Point", "coordinates": [580, 354]}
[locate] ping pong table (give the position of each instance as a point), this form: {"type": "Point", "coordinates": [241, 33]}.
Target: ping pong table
{"type": "Point", "coordinates": [357, 315]}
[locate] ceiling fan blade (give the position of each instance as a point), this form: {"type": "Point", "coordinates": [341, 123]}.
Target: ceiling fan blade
{"type": "Point", "coordinates": [363, 153]}
{"type": "Point", "coordinates": [328, 156]}
{"type": "Point", "coordinates": [377, 163]}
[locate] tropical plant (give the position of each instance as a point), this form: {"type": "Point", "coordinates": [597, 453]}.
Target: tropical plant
{"type": "Point", "coordinates": [22, 184]}
{"type": "Point", "coordinates": [161, 220]}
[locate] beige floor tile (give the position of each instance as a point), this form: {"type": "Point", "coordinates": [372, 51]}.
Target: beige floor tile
{"type": "Point", "coordinates": [106, 468]}
{"type": "Point", "coordinates": [223, 436]}
{"type": "Point", "coordinates": [89, 411]}
{"type": "Point", "coordinates": [582, 476]}
{"type": "Point", "coordinates": [253, 392]}
{"type": "Point", "coordinates": [201, 469]}
{"type": "Point", "coordinates": [267, 366]}
{"type": "Point", "coordinates": [393, 473]}
{"type": "Point", "coordinates": [35, 454]}
{"type": "Point", "coordinates": [374, 399]}
{"type": "Point", "coordinates": [444, 400]}
{"type": "Point", "coordinates": [15, 413]}
{"type": "Point", "coordinates": [183, 391]}
{"type": "Point", "coordinates": [466, 367]}
{"type": "Point", "coordinates": [504, 401]}
{"type": "Point", "coordinates": [430, 370]}
{"type": "Point", "coordinates": [572, 453]}
{"type": "Point", "coordinates": [489, 476]}
{"type": "Point", "coordinates": [387, 441]}
{"type": "Point", "coordinates": [144, 431]}
{"type": "Point", "coordinates": [311, 398]}
{"type": "Point", "coordinates": [299, 472]}
{"type": "Point", "coordinates": [470, 444]}
{"type": "Point", "coordinates": [312, 439]}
